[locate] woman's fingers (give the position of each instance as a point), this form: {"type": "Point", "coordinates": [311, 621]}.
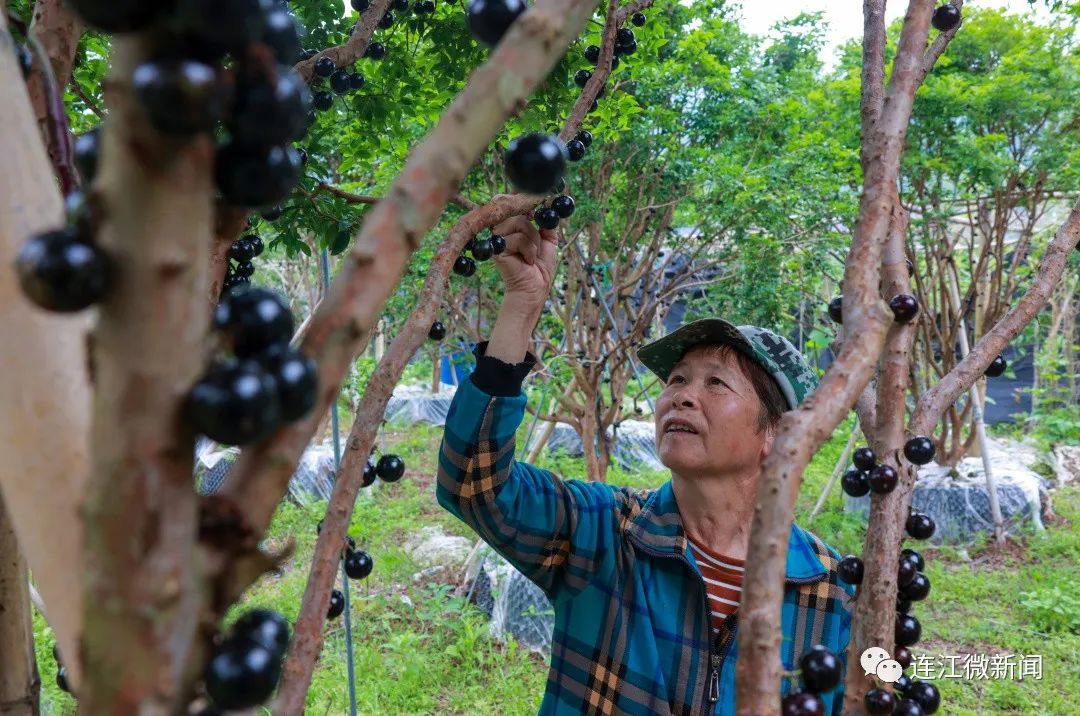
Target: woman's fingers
{"type": "Point", "coordinates": [522, 238]}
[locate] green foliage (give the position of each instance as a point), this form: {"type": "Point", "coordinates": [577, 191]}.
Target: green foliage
{"type": "Point", "coordinates": [1052, 609]}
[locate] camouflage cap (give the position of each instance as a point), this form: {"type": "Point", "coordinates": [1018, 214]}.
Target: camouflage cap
{"type": "Point", "coordinates": [773, 352]}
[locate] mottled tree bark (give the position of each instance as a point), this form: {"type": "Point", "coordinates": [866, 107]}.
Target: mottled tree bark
{"type": "Point", "coordinates": [58, 30]}
{"type": "Point", "coordinates": [20, 684]}
{"type": "Point", "coordinates": [44, 387]}
{"type": "Point", "coordinates": [144, 594]}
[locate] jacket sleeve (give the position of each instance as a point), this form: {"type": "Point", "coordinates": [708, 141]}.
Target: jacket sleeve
{"type": "Point", "coordinates": [556, 532]}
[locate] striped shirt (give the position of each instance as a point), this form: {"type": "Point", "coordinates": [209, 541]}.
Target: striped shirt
{"type": "Point", "coordinates": [723, 581]}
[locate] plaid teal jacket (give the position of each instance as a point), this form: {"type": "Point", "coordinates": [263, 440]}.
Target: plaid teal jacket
{"type": "Point", "coordinates": [632, 632]}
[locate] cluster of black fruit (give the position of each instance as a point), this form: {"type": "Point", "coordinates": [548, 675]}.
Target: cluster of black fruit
{"type": "Point", "coordinates": [245, 667]}
{"type": "Point", "coordinates": [476, 251]}
{"type": "Point", "coordinates": [184, 90]}
{"type": "Point", "coordinates": [560, 207]}
{"type": "Point", "coordinates": [244, 398]}
{"type": "Point", "coordinates": [358, 565]}
{"type": "Point", "coordinates": [904, 307]}
{"type": "Point", "coordinates": [241, 268]}
{"type": "Point", "coordinates": [820, 671]}
{"type": "Point", "coordinates": [919, 697]}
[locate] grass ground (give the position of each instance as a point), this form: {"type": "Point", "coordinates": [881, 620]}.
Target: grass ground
{"type": "Point", "coordinates": [418, 649]}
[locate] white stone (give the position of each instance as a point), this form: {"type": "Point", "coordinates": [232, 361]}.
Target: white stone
{"type": "Point", "coordinates": [430, 546]}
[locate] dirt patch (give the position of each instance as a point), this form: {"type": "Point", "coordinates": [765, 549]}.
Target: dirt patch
{"type": "Point", "coordinates": [996, 556]}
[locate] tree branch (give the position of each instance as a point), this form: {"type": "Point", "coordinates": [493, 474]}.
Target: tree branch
{"type": "Point", "coordinates": [937, 48]}
{"type": "Point", "coordinates": [356, 45]}
{"type": "Point", "coordinates": [144, 592]}
{"type": "Point", "coordinates": [802, 431]}
{"type": "Point", "coordinates": [20, 683]}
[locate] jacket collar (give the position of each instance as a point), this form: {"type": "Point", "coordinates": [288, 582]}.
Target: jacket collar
{"type": "Point", "coordinates": [657, 527]}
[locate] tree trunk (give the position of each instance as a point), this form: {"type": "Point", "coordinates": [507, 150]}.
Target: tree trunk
{"type": "Point", "coordinates": [145, 604]}
{"type": "Point", "coordinates": [58, 30]}
{"type": "Point", "coordinates": [19, 681]}
{"type": "Point", "coordinates": [44, 378]}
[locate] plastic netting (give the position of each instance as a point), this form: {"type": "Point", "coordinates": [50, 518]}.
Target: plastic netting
{"type": "Point", "coordinates": [635, 444]}
{"type": "Point", "coordinates": [516, 606]}
{"type": "Point", "coordinates": [410, 404]}
{"type": "Point", "coordinates": [312, 481]}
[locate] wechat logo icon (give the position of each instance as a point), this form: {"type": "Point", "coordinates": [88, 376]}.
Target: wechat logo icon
{"type": "Point", "coordinates": [876, 661]}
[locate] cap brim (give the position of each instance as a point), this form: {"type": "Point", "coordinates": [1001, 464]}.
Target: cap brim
{"type": "Point", "coordinates": [661, 355]}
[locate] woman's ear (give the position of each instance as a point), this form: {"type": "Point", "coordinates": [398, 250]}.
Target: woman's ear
{"type": "Point", "coordinates": [770, 435]}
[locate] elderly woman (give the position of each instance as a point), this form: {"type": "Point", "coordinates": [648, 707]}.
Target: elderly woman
{"type": "Point", "coordinates": [646, 585]}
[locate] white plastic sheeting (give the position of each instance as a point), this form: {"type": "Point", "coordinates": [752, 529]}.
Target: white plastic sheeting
{"type": "Point", "coordinates": [412, 404]}
{"type": "Point", "coordinates": [312, 481]}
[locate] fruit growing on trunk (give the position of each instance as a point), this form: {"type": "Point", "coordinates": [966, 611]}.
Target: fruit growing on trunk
{"type": "Point", "coordinates": [235, 403]}
{"type": "Point", "coordinates": [855, 482]}
{"type": "Point", "coordinates": [850, 569]}
{"type": "Point", "coordinates": [391, 468]}
{"type": "Point", "coordinates": [920, 526]}
{"type": "Point", "coordinates": [488, 20]}
{"type": "Point", "coordinates": [997, 367]}
{"type": "Point", "coordinates": [181, 97]}
{"type": "Point", "coordinates": [61, 271]}
{"type": "Point", "coordinates": [802, 703]}
{"type": "Point", "coordinates": [883, 479]}
{"type": "Point", "coordinates": [241, 674]}
{"type": "Point", "coordinates": [919, 450]}
{"type": "Point", "coordinates": [945, 18]}
{"type": "Point", "coordinates": [836, 309]}
{"type": "Point", "coordinates": [437, 331]}
{"type": "Point", "coordinates": [904, 307]}
{"type": "Point", "coordinates": [820, 669]}
{"type": "Point", "coordinates": [864, 459]}
{"type": "Point", "coordinates": [358, 565]}
{"type": "Point", "coordinates": [337, 605]}
{"type": "Point", "coordinates": [535, 162]}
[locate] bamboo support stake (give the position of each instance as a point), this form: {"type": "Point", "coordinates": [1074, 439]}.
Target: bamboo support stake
{"type": "Point", "coordinates": [844, 458]}
{"type": "Point", "coordinates": [977, 411]}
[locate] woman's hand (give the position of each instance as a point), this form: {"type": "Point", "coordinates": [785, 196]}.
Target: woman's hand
{"type": "Point", "coordinates": [527, 266]}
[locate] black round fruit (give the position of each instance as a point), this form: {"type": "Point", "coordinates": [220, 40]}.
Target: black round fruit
{"type": "Point", "coordinates": [908, 630]}
{"type": "Point", "coordinates": [356, 81]}
{"type": "Point", "coordinates": [181, 97]}
{"type": "Point", "coordinates": [879, 701]}
{"type": "Point", "coordinates": [585, 137]}
{"type": "Point", "coordinates": [864, 459]}
{"type": "Point", "coordinates": [358, 565]}
{"type": "Point", "coordinates": [360, 5]}
{"type": "Point", "coordinates": [324, 67]}
{"type": "Point", "coordinates": [322, 100]}
{"type": "Point", "coordinates": [997, 367]}
{"type": "Point", "coordinates": [118, 15]}
{"type": "Point", "coordinates": [401, 5]}
{"type": "Point", "coordinates": [594, 106]}
{"type": "Point", "coordinates": [60, 271]}
{"type": "Point", "coordinates": [391, 468]}
{"type": "Point", "coordinates": [903, 656]}
{"type": "Point", "coordinates": [904, 307]}
{"type": "Point", "coordinates": [341, 81]}
{"type": "Point", "coordinates": [820, 669]}
{"type": "Point", "coordinates": [547, 218]}
{"type": "Point", "coordinates": [282, 36]}
{"type": "Point", "coordinates": [883, 479]}
{"type": "Point", "coordinates": [626, 49]}
{"type": "Point", "coordinates": [427, 6]}
{"type": "Point", "coordinates": [241, 674]}
{"type": "Point", "coordinates": [917, 589]}
{"type": "Point", "coordinates": [925, 695]}
{"type": "Point", "coordinates": [437, 331]}
{"type": "Point", "coordinates": [498, 244]}
{"type": "Point", "coordinates": [535, 162]}
{"type": "Point", "coordinates": [258, 318]}
{"type": "Point", "coordinates": [624, 36]}
{"type": "Point", "coordinates": [850, 569]}
{"type": "Point", "coordinates": [230, 26]}
{"type": "Point", "coordinates": [905, 572]}
{"type": "Point", "coordinates": [489, 20]}
{"type": "Point", "coordinates": [836, 309]}
{"type": "Point", "coordinates": [256, 177]}
{"type": "Point", "coordinates": [575, 149]}
{"type": "Point", "coordinates": [266, 628]}
{"type": "Point", "coordinates": [919, 450]}
{"type": "Point", "coordinates": [256, 242]}
{"type": "Point", "coordinates": [581, 77]}
{"type": "Point", "coordinates": [244, 270]}
{"type": "Point", "coordinates": [464, 266]}
{"type": "Point", "coordinates": [903, 606]}
{"type": "Point", "coordinates": [337, 605]}
{"type": "Point", "coordinates": [920, 526]}
{"type": "Point", "coordinates": [481, 250]}
{"type": "Point", "coordinates": [638, 18]}
{"type": "Point", "coordinates": [802, 703]}
{"type": "Point", "coordinates": [855, 482]}
{"type": "Point", "coordinates": [62, 680]}
{"type": "Point", "coordinates": [907, 707]}
{"type": "Point", "coordinates": [387, 20]}
{"type": "Point", "coordinates": [369, 474]}
{"type": "Point", "coordinates": [911, 554]}
{"type": "Point", "coordinates": [235, 403]}
{"type": "Point", "coordinates": [375, 51]}
{"type": "Point", "coordinates": [592, 54]}
{"type": "Point", "coordinates": [614, 62]}
{"type": "Point", "coordinates": [87, 148]}
{"type": "Point", "coordinates": [270, 109]}
{"type": "Point", "coordinates": [274, 213]}
{"type": "Point", "coordinates": [945, 18]}
{"type": "Point", "coordinates": [563, 205]}
{"type": "Point", "coordinates": [297, 380]}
